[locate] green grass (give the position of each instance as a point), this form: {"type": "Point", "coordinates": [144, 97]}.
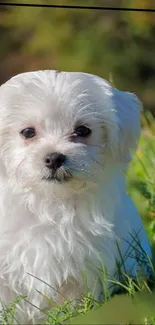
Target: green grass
{"type": "Point", "coordinates": [136, 304]}
{"type": "Point", "coordinates": [141, 182]}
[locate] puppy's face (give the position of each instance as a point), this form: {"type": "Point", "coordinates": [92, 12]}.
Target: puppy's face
{"type": "Point", "coordinates": [63, 130]}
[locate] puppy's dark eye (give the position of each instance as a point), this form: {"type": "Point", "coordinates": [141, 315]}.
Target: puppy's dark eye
{"type": "Point", "coordinates": [28, 133]}
{"type": "Point", "coordinates": [82, 131]}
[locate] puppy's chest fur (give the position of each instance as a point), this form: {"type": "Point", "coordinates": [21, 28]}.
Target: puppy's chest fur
{"type": "Point", "coordinates": [56, 241]}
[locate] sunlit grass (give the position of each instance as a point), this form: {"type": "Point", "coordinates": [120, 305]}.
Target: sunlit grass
{"type": "Point", "coordinates": [141, 181]}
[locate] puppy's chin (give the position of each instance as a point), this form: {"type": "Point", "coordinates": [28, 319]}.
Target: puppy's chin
{"type": "Point", "coordinates": [58, 177]}
{"type": "Point", "coordinates": [65, 184]}
{"type": "Point", "coordinates": [60, 188]}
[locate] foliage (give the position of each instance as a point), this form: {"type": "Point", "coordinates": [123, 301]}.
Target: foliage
{"type": "Point", "coordinates": [141, 181]}
{"type": "Point", "coordinates": [100, 42]}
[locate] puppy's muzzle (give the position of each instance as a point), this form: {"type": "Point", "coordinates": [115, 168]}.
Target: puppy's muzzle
{"type": "Point", "coordinates": [55, 164]}
{"type": "Point", "coordinates": [54, 160]}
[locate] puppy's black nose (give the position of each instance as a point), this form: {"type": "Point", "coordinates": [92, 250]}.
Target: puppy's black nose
{"type": "Point", "coordinates": [54, 160]}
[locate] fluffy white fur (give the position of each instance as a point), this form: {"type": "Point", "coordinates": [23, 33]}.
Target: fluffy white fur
{"type": "Point", "coordinates": [60, 231]}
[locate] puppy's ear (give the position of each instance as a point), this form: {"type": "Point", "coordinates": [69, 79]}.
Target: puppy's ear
{"type": "Point", "coordinates": [128, 109]}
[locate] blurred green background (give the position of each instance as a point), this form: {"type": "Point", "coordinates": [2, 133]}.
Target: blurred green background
{"type": "Point", "coordinates": [109, 43]}
{"type": "Point", "coordinates": [117, 45]}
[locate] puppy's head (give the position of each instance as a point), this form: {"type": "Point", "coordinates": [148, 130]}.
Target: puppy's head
{"type": "Point", "coordinates": [64, 130]}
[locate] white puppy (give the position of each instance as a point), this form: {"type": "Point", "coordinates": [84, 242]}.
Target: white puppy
{"type": "Point", "coordinates": [65, 141]}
